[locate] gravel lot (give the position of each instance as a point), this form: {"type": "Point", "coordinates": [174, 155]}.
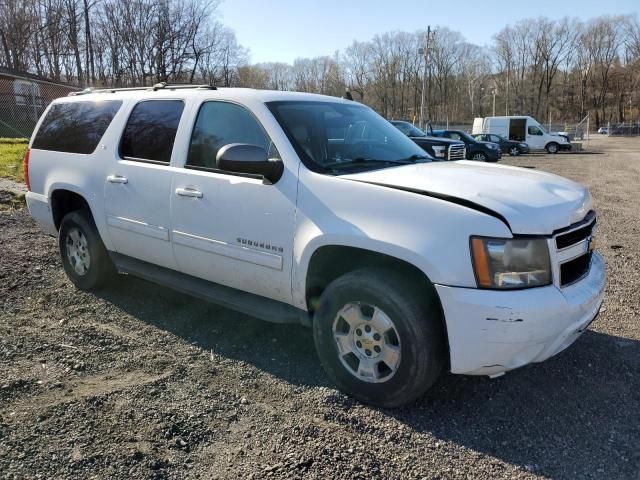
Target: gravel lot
{"type": "Point", "coordinates": [141, 382]}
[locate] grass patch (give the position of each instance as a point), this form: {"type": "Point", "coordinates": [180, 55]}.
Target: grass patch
{"type": "Point", "coordinates": [11, 156]}
{"type": "Point", "coordinates": [11, 200]}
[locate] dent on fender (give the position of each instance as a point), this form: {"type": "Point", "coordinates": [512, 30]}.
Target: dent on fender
{"type": "Point", "coordinates": [508, 319]}
{"type": "Point", "coordinates": [504, 320]}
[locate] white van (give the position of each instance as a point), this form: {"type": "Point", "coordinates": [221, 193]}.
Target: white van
{"type": "Point", "coordinates": [522, 129]}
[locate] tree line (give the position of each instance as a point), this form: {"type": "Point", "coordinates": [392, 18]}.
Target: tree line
{"type": "Point", "coordinates": [119, 42]}
{"type": "Point", "coordinates": [553, 69]}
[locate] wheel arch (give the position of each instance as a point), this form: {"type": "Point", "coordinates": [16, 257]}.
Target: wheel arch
{"type": "Point", "coordinates": [546, 147]}
{"type": "Point", "coordinates": [328, 262]}
{"type": "Point", "coordinates": [64, 201]}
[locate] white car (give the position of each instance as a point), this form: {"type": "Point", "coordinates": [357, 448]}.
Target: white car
{"type": "Point", "coordinates": [603, 130]}
{"type": "Point", "coordinates": [303, 208]}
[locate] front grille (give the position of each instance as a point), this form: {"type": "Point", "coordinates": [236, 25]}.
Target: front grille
{"type": "Point", "coordinates": [573, 250]}
{"type": "Point", "coordinates": [575, 269]}
{"type": "Point", "coordinates": [456, 152]}
{"type": "Point", "coordinates": [573, 237]}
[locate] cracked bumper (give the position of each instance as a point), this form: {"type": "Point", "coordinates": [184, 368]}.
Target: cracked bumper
{"type": "Point", "coordinates": [491, 332]}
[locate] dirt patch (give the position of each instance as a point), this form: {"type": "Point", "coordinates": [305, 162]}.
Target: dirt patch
{"type": "Point", "coordinates": [11, 200]}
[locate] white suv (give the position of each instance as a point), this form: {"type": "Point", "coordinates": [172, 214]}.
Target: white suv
{"type": "Point", "coordinates": [304, 208]}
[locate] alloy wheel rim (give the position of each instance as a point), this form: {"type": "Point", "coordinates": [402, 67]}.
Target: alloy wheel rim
{"type": "Point", "coordinates": [514, 151]}
{"type": "Point", "coordinates": [367, 341]}
{"type": "Point", "coordinates": [78, 251]}
{"type": "Point", "coordinates": [478, 156]}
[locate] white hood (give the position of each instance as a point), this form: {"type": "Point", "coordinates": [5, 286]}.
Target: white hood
{"type": "Point", "coordinates": [532, 202]}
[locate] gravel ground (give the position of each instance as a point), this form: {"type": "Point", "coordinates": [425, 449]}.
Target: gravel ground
{"type": "Point", "coordinates": [140, 382]}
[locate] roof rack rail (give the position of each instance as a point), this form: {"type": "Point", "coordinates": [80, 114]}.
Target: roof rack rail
{"type": "Point", "coordinates": [157, 86]}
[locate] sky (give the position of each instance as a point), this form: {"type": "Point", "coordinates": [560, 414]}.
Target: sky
{"type": "Point", "coordinates": [283, 30]}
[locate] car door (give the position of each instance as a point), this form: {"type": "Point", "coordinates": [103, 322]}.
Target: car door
{"type": "Point", "coordinates": [497, 140]}
{"type": "Point", "coordinates": [535, 137]}
{"type": "Point", "coordinates": [137, 188]}
{"type": "Point", "coordinates": [232, 229]}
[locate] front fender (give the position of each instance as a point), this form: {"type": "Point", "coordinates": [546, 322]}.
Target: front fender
{"type": "Point", "coordinates": [429, 233]}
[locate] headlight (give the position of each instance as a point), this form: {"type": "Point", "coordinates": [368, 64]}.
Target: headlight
{"type": "Point", "coordinates": [524, 145]}
{"type": "Point", "coordinates": [493, 146]}
{"type": "Point", "coordinates": [439, 151]}
{"type": "Point", "coordinates": [510, 263]}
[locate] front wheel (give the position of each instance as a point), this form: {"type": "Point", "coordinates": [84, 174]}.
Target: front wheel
{"type": "Point", "coordinates": [84, 257]}
{"type": "Point", "coordinates": [514, 151]}
{"type": "Point", "coordinates": [552, 147]}
{"type": "Point", "coordinates": [479, 156]}
{"type": "Point", "coordinates": [377, 339]}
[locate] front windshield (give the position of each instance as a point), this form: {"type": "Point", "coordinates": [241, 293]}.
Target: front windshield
{"type": "Point", "coordinates": [413, 131]}
{"type": "Point", "coordinates": [335, 137]}
{"type": "Point", "coordinates": [467, 137]}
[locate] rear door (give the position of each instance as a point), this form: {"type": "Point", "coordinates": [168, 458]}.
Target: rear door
{"type": "Point", "coordinates": [232, 229]}
{"type": "Point", "coordinates": [137, 187]}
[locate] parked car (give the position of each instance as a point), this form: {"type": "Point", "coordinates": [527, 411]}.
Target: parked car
{"type": "Point", "coordinates": [439, 148]}
{"type": "Point", "coordinates": [522, 129]}
{"type": "Point", "coordinates": [476, 150]}
{"type": "Point", "coordinates": [506, 146]}
{"type": "Point", "coordinates": [302, 208]}
{"type": "Point", "coordinates": [603, 130]}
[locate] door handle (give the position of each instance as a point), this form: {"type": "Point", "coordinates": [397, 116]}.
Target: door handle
{"type": "Point", "coordinates": [117, 179]}
{"type": "Point", "coordinates": [188, 192]}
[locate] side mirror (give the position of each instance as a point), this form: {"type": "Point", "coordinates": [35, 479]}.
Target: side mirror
{"type": "Point", "coordinates": [245, 158]}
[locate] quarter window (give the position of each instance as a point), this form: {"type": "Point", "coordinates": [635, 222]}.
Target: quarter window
{"type": "Point", "coordinates": [151, 131]}
{"type": "Point", "coordinates": [219, 124]}
{"type": "Point", "coordinates": [75, 127]}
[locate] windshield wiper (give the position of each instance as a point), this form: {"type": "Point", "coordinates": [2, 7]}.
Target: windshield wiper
{"type": "Point", "coordinates": [416, 156]}
{"type": "Point", "coordinates": [363, 160]}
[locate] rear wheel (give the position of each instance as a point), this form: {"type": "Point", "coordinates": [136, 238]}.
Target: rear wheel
{"type": "Point", "coordinates": [552, 147]}
{"type": "Point", "coordinates": [479, 156]}
{"type": "Point", "coordinates": [84, 257]}
{"type": "Point", "coordinates": [378, 339]}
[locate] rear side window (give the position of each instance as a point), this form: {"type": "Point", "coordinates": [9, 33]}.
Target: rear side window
{"type": "Point", "coordinates": [151, 131]}
{"type": "Point", "coordinates": [75, 127]}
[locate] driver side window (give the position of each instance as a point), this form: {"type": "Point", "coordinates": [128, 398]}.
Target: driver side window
{"type": "Point", "coordinates": [219, 124]}
{"type": "Point", "coordinates": [533, 130]}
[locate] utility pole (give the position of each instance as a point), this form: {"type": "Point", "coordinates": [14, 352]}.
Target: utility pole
{"type": "Point", "coordinates": [506, 102]}
{"type": "Point", "coordinates": [424, 51]}
{"type": "Point", "coordinates": [494, 101]}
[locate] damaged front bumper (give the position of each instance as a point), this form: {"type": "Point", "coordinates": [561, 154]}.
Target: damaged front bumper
{"type": "Point", "coordinates": [491, 332]}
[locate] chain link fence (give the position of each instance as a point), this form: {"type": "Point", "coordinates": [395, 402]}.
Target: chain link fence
{"type": "Point", "coordinates": [624, 129]}
{"type": "Point", "coordinates": [23, 98]}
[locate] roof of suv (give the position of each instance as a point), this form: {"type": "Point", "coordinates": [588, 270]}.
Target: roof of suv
{"type": "Point", "coordinates": [247, 94]}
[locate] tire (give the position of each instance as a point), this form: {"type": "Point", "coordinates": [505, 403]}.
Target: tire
{"type": "Point", "coordinates": [552, 148]}
{"type": "Point", "coordinates": [84, 257]}
{"type": "Point", "coordinates": [479, 156]}
{"type": "Point", "coordinates": [514, 151]}
{"type": "Point", "coordinates": [413, 344]}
